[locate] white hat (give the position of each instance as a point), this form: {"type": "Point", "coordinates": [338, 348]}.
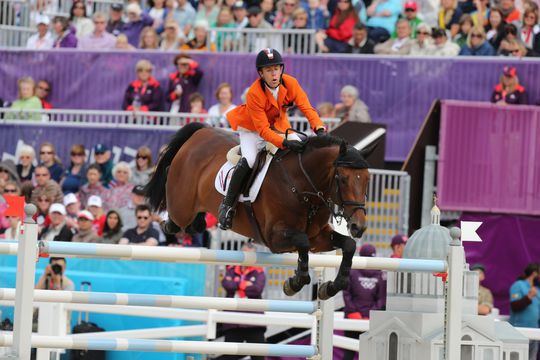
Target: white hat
{"type": "Point", "coordinates": [134, 8]}
{"type": "Point", "coordinates": [42, 19]}
{"type": "Point", "coordinates": [85, 214]}
{"type": "Point", "coordinates": [95, 200]}
{"type": "Point", "coordinates": [69, 199]}
{"type": "Point", "coordinates": [59, 208]}
{"type": "Point", "coordinates": [202, 24]}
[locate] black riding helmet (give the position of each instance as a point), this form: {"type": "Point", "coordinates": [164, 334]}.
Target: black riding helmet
{"type": "Point", "coordinates": [268, 57]}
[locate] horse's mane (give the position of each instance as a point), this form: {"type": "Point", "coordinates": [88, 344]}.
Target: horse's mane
{"type": "Point", "coordinates": [317, 142]}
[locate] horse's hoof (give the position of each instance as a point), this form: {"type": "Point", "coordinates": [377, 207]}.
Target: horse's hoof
{"type": "Point", "coordinates": [287, 288]}
{"type": "Point", "coordinates": [325, 292]}
{"type": "Point", "coordinates": [169, 228]}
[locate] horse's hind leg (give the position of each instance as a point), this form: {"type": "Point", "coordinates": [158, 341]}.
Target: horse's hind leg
{"type": "Point", "coordinates": [198, 225]}
{"type": "Point", "coordinates": [169, 227]}
{"type": "Point", "coordinates": [341, 282]}
{"type": "Point", "coordinates": [301, 277]}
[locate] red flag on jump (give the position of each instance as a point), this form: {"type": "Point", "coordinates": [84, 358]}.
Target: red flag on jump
{"type": "Point", "coordinates": [15, 206]}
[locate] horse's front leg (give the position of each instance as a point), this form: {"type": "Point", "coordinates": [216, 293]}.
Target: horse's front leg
{"type": "Point", "coordinates": [341, 282]}
{"type": "Point", "coordinates": [301, 277]}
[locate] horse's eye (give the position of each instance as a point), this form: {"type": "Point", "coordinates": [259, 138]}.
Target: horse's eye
{"type": "Point", "coordinates": [343, 180]}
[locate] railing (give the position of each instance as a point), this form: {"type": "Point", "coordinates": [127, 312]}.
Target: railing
{"type": "Point", "coordinates": [14, 36]}
{"type": "Point", "coordinates": [128, 118]}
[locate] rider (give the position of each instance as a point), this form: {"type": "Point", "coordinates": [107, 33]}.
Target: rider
{"type": "Point", "coordinates": [261, 118]}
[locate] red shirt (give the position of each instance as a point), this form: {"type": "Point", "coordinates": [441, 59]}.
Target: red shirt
{"type": "Point", "coordinates": [99, 224]}
{"type": "Point", "coordinates": [344, 31]}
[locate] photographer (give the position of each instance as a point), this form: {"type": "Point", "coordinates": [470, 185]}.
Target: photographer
{"type": "Point", "coordinates": [54, 277]}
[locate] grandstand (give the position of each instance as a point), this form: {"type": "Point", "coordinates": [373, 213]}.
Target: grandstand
{"type": "Point", "coordinates": [458, 104]}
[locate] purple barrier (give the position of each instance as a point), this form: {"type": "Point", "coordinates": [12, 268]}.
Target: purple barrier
{"type": "Point", "coordinates": [489, 158]}
{"type": "Point", "coordinates": [123, 142]}
{"type": "Point", "coordinates": [398, 91]}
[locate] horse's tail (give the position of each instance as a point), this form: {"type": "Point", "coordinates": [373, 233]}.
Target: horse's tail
{"type": "Point", "coordinates": [155, 189]}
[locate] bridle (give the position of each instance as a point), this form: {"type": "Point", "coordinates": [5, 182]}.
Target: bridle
{"type": "Point", "coordinates": [356, 205]}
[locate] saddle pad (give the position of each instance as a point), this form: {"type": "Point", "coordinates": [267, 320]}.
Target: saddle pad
{"type": "Point", "coordinates": [223, 178]}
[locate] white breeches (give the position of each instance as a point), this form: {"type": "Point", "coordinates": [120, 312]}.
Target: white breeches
{"type": "Point", "coordinates": [251, 143]}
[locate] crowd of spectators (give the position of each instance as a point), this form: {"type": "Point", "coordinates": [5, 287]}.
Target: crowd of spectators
{"type": "Point", "coordinates": [473, 27]}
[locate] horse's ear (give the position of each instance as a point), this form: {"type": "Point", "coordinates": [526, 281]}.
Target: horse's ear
{"type": "Point", "coordinates": [365, 152]}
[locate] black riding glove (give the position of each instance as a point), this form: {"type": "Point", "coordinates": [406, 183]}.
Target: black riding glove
{"type": "Point", "coordinates": [320, 132]}
{"type": "Point", "coordinates": [294, 145]}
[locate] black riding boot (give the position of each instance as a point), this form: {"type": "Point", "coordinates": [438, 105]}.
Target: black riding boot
{"type": "Point", "coordinates": [227, 207]}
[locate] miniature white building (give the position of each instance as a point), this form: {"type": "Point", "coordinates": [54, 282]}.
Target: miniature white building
{"type": "Point", "coordinates": [412, 327]}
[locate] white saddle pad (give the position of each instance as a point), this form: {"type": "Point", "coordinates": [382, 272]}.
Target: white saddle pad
{"type": "Point", "coordinates": [224, 175]}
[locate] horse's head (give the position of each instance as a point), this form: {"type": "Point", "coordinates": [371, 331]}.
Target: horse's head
{"type": "Point", "coordinates": [351, 179]}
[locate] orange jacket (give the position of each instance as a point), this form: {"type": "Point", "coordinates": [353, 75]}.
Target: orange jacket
{"type": "Point", "coordinates": [261, 112]}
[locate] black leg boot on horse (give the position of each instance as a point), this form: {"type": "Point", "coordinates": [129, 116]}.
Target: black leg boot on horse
{"type": "Point", "coordinates": [227, 209]}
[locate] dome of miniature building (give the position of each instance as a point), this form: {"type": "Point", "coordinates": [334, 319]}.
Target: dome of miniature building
{"type": "Point", "coordinates": [429, 242]}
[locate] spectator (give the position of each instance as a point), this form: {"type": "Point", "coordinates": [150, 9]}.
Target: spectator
{"type": "Point", "coordinates": [182, 83]}
{"type": "Point", "coordinates": [449, 15]}
{"type": "Point", "coordinates": [48, 157]}
{"type": "Point", "coordinates": [73, 206]}
{"type": "Point", "coordinates": [43, 39]}
{"type": "Point", "coordinates": [74, 176]}
{"type": "Point", "coordinates": [495, 28]}
{"type": "Point", "coordinates": [326, 110]}
{"type": "Point", "coordinates": [509, 11]}
{"type": "Point", "coordinates": [477, 45]}
{"type": "Point", "coordinates": [65, 35]}
{"type": "Point", "coordinates": [411, 14]}
{"type": "Point", "coordinates": [149, 39]}
{"type": "Point", "coordinates": [244, 282]}
{"type": "Point", "coordinates": [208, 11]}
{"type": "Point", "coordinates": [159, 14]}
{"type": "Point", "coordinates": [400, 45]}
{"type": "Point", "coordinates": [508, 90]}
{"type": "Point", "coordinates": [119, 194]}
{"type": "Point", "coordinates": [366, 292]}
{"type": "Point", "coordinates": [93, 185]}
{"type": "Point", "coordinates": [99, 38]}
{"type": "Point", "coordinates": [43, 90]}
{"type": "Point", "coordinates": [423, 44]}
{"type": "Point", "coordinates": [43, 204]}
{"type": "Point", "coordinates": [46, 186]}
{"type": "Point", "coordinates": [112, 231]}
{"type": "Point", "coordinates": [351, 107]}
{"type": "Point", "coordinates": [217, 112]}
{"type": "Point", "coordinates": [143, 168]}
{"type": "Point", "coordinates": [172, 37]}
{"type": "Point", "coordinates": [77, 15]}
{"type": "Point", "coordinates": [95, 206]}
{"type": "Point", "coordinates": [255, 41]}
{"type": "Point", "coordinates": [137, 21]}
{"type": "Point", "coordinates": [529, 33]}
{"type": "Point", "coordinates": [360, 43]}
{"type": "Point", "coordinates": [485, 297]}
{"type": "Point", "coordinates": [466, 23]}
{"type": "Point", "coordinates": [481, 14]}
{"type": "Point", "coordinates": [200, 39]}
{"type": "Point", "coordinates": [143, 233]}
{"type": "Point", "coordinates": [297, 43]}
{"type": "Point", "coordinates": [335, 39]}
{"type": "Point", "coordinates": [269, 12]}
{"type": "Point", "coordinates": [225, 41]}
{"type": "Point", "coordinates": [398, 245]}
{"type": "Point", "coordinates": [8, 172]}
{"type": "Point", "coordinates": [184, 16]}
{"type": "Point", "coordinates": [510, 34]}
{"type": "Point", "coordinates": [443, 47]}
{"type": "Point", "coordinates": [57, 230]}
{"type": "Point", "coordinates": [317, 17]}
{"type": "Point", "coordinates": [115, 23]}
{"type": "Point", "coordinates": [383, 15]}
{"type": "Point", "coordinates": [122, 43]}
{"type": "Point", "coordinates": [196, 106]}
{"type": "Point", "coordinates": [144, 93]}
{"type": "Point", "coordinates": [25, 167]}
{"type": "Point", "coordinates": [514, 48]}
{"type": "Point", "coordinates": [86, 232]}
{"type": "Point", "coordinates": [54, 276]}
{"type": "Point", "coordinates": [240, 14]}
{"type": "Point", "coordinates": [13, 230]}
{"type": "Point", "coordinates": [525, 303]}
{"type": "Point", "coordinates": [127, 213]}
{"type": "Point", "coordinates": [27, 100]}
{"type": "Point", "coordinates": [285, 8]}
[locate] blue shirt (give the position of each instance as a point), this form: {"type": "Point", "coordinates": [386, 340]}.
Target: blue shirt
{"type": "Point", "coordinates": [529, 316]}
{"type": "Point", "coordinates": [386, 22]}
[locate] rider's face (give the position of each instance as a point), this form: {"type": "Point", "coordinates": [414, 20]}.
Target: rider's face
{"type": "Point", "coordinates": [271, 75]}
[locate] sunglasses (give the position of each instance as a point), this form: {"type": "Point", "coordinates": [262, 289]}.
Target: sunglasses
{"type": "Point", "coordinates": [477, 36]}
{"type": "Point", "coordinates": [301, 18]}
{"type": "Point", "coordinates": [100, 153]}
{"type": "Point", "coordinates": [41, 175]}
{"type": "Point", "coordinates": [142, 218]}
{"type": "Point", "coordinates": [77, 154]}
{"type": "Point", "coordinates": [44, 89]}
{"type": "Point", "coordinates": [422, 33]}
{"type": "Point", "coordinates": [4, 171]}
{"type": "Point", "coordinates": [252, 15]}
{"type": "Point", "coordinates": [24, 157]}
{"type": "Point", "coordinates": [83, 219]}
{"type": "Point", "coordinates": [6, 190]}
{"type": "Point", "coordinates": [46, 153]}
{"type": "Point", "coordinates": [410, 10]}
{"type": "Point", "coordinates": [183, 64]}
{"type": "Point", "coordinates": [43, 200]}
{"type": "Point", "coordinates": [514, 51]}
{"type": "Point", "coordinates": [142, 157]}
{"type": "Point", "coordinates": [144, 70]}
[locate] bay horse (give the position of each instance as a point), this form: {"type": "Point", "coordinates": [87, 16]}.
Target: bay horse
{"type": "Point", "coordinates": [296, 201]}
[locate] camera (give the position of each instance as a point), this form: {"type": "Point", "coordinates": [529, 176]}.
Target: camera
{"type": "Point", "coordinates": [56, 269]}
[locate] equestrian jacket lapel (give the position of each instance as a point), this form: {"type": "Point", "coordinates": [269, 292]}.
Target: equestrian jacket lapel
{"type": "Point", "coordinates": [270, 97]}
